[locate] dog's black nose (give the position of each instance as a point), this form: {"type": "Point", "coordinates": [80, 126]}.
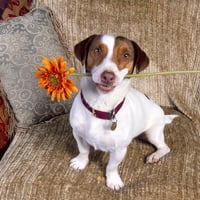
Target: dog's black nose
{"type": "Point", "coordinates": [108, 77]}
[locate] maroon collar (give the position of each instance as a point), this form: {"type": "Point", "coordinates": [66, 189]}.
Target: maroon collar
{"type": "Point", "coordinates": [100, 114]}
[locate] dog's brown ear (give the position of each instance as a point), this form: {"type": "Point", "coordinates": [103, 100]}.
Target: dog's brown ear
{"type": "Point", "coordinates": [82, 47]}
{"type": "Point", "coordinates": [141, 59]}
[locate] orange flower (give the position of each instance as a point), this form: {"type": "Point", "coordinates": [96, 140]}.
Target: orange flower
{"type": "Point", "coordinates": [53, 77]}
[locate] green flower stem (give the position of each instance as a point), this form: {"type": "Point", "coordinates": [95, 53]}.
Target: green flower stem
{"type": "Point", "coordinates": [147, 74]}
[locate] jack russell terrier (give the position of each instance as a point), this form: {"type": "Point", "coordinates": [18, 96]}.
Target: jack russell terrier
{"type": "Point", "coordinates": [107, 113]}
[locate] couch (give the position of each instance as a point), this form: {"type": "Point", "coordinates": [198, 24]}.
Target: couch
{"type": "Point", "coordinates": [36, 163]}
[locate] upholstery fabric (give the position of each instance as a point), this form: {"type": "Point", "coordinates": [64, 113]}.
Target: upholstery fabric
{"type": "Point", "coordinates": [14, 8]}
{"type": "Point", "coordinates": [24, 41]}
{"type": "Point", "coordinates": [7, 123]}
{"type": "Point", "coordinates": [36, 166]}
{"type": "Point", "coordinates": [4, 124]}
{"type": "Point", "coordinates": [3, 5]}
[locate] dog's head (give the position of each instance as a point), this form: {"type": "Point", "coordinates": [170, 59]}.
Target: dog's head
{"type": "Point", "coordinates": [109, 58]}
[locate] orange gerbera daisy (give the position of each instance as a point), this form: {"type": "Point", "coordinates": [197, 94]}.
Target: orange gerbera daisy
{"type": "Point", "coordinates": [53, 77]}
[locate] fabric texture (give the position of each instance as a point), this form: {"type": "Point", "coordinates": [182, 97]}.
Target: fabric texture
{"type": "Point", "coordinates": [24, 41]}
{"type": "Point", "coordinates": [3, 4]}
{"type": "Point", "coordinates": [36, 166]}
{"type": "Point", "coordinates": [14, 8]}
{"type": "Point", "coordinates": [7, 123]}
{"type": "Point", "coordinates": [4, 124]}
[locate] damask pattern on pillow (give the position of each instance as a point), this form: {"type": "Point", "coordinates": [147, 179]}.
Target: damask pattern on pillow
{"type": "Point", "coordinates": [24, 41]}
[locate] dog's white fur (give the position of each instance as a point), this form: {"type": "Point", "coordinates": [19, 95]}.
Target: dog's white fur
{"type": "Point", "coordinates": [137, 115]}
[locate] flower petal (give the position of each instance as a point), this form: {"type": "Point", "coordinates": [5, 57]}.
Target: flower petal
{"type": "Point", "coordinates": [62, 66]}
{"type": "Point", "coordinates": [53, 95]}
{"type": "Point", "coordinates": [41, 69]}
{"type": "Point", "coordinates": [63, 96]}
{"type": "Point", "coordinates": [74, 88]}
{"type": "Point", "coordinates": [55, 65]}
{"type": "Point", "coordinates": [69, 71]}
{"type": "Point", "coordinates": [58, 96]}
{"type": "Point", "coordinates": [47, 63]}
{"type": "Point", "coordinates": [60, 59]}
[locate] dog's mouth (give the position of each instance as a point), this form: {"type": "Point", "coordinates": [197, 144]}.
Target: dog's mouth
{"type": "Point", "coordinates": [104, 87]}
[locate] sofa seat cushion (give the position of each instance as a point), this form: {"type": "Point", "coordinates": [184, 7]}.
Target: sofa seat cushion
{"type": "Point", "coordinates": [37, 165]}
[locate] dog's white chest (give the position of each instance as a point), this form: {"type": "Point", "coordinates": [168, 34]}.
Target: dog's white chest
{"type": "Point", "coordinates": [97, 133]}
{"type": "Point", "coordinates": [103, 140]}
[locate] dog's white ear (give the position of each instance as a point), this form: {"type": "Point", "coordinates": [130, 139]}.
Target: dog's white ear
{"type": "Point", "coordinates": [169, 118]}
{"type": "Point", "coordinates": [81, 49]}
{"type": "Point", "coordinates": [141, 59]}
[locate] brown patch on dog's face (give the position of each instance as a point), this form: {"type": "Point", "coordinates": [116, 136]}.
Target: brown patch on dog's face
{"type": "Point", "coordinates": [123, 54]}
{"type": "Point", "coordinates": [97, 52]}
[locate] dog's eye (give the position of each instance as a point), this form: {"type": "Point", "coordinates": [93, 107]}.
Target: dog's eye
{"type": "Point", "coordinates": [126, 55]}
{"type": "Point", "coordinates": [97, 50]}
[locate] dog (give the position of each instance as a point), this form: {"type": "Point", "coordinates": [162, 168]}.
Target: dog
{"type": "Point", "coordinates": [108, 113]}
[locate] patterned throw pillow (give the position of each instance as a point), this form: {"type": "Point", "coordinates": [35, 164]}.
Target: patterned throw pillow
{"type": "Point", "coordinates": [24, 41]}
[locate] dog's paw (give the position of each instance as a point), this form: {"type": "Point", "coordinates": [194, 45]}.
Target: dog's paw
{"type": "Point", "coordinates": [155, 157]}
{"type": "Point", "coordinates": [114, 182]}
{"type": "Point", "coordinates": [79, 162]}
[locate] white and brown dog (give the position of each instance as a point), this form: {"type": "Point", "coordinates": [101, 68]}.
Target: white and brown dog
{"type": "Point", "coordinates": [107, 113]}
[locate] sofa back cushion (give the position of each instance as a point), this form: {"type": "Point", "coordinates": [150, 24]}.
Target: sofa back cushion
{"type": "Point", "coordinates": [168, 31]}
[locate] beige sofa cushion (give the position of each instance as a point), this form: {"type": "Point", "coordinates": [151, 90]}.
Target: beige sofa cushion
{"type": "Point", "coordinates": [36, 166]}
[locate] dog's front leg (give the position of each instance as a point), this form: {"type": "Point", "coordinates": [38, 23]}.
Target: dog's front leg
{"type": "Point", "coordinates": [80, 161]}
{"type": "Point", "coordinates": [113, 179]}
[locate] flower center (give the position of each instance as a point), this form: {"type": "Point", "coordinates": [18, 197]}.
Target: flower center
{"type": "Point", "coordinates": [54, 80]}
